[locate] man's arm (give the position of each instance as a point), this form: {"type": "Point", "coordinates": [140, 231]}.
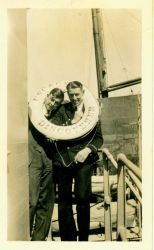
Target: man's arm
{"type": "Point", "coordinates": [97, 140]}
{"type": "Point", "coordinates": [57, 116]}
{"type": "Point", "coordinates": [92, 148]}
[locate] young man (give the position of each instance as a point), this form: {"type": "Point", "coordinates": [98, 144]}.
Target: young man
{"type": "Point", "coordinates": [52, 102]}
{"type": "Point", "coordinates": [74, 160]}
{"type": "Point", "coordinates": [41, 186]}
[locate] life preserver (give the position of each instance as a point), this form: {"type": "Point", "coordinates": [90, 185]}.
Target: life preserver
{"type": "Point", "coordinates": [55, 132]}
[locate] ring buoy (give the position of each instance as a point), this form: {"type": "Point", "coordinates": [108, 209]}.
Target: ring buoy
{"type": "Point", "coordinates": [70, 132]}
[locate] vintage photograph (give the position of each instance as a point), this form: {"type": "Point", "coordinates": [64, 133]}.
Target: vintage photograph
{"type": "Point", "coordinates": [74, 129]}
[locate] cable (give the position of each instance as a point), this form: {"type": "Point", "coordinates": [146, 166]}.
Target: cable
{"type": "Point", "coordinates": [62, 159]}
{"type": "Point", "coordinates": [118, 52]}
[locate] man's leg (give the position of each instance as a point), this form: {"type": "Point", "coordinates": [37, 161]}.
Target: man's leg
{"type": "Point", "coordinates": [35, 172]}
{"type": "Point", "coordinates": [45, 201]}
{"type": "Point", "coordinates": [67, 225]}
{"type": "Point", "coordinates": [82, 193]}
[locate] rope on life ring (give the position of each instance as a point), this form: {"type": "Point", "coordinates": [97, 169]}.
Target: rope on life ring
{"type": "Point", "coordinates": [70, 132]}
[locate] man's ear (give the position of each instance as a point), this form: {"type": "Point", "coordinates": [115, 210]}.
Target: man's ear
{"type": "Point", "coordinates": [83, 91]}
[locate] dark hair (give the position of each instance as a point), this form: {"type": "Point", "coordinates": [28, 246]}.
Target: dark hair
{"type": "Point", "coordinates": [73, 85]}
{"type": "Point", "coordinates": [58, 93]}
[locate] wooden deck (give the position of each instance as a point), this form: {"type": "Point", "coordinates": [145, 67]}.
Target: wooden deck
{"type": "Point", "coordinates": [97, 221]}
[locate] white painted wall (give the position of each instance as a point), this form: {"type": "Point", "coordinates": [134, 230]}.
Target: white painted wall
{"type": "Point", "coordinates": [17, 128]}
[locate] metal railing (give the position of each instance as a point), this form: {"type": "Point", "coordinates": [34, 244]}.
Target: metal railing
{"type": "Point", "coordinates": [132, 180]}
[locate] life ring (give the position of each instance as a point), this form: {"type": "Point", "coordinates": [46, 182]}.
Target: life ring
{"type": "Point", "coordinates": [70, 132]}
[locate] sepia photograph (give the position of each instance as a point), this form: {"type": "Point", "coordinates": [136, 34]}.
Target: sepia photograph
{"type": "Point", "coordinates": [76, 126]}
{"type": "Point", "coordinates": [78, 74]}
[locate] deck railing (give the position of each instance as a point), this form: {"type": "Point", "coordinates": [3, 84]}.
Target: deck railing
{"type": "Point", "coordinates": [132, 180]}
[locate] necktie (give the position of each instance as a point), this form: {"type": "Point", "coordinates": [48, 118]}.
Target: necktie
{"type": "Point", "coordinates": [77, 115]}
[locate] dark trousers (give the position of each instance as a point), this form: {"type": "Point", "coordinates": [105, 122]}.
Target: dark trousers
{"type": "Point", "coordinates": [41, 193]}
{"type": "Point", "coordinates": [82, 189]}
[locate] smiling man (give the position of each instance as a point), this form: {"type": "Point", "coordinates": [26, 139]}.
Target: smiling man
{"type": "Point", "coordinates": [52, 101]}
{"type": "Point", "coordinates": [74, 160]}
{"type": "Point", "coordinates": [76, 94]}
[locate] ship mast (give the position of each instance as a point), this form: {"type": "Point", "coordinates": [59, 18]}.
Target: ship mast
{"type": "Point", "coordinates": [99, 52]}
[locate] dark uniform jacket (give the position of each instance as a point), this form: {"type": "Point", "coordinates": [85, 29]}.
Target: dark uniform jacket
{"type": "Point", "coordinates": [37, 141]}
{"type": "Point", "coordinates": [65, 150]}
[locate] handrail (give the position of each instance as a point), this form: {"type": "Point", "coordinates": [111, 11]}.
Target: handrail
{"type": "Point", "coordinates": [110, 157]}
{"type": "Point", "coordinates": [133, 190]}
{"type": "Point", "coordinates": [123, 163]}
{"type": "Point", "coordinates": [135, 180]}
{"type": "Point", "coordinates": [135, 174]}
{"type": "Point", "coordinates": [122, 233]}
{"type": "Point", "coordinates": [131, 166]}
{"type": "Point", "coordinates": [107, 200]}
{"type": "Point", "coordinates": [121, 199]}
{"type": "Point", "coordinates": [133, 177]}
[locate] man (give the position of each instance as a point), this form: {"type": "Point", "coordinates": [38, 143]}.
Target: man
{"type": "Point", "coordinates": [41, 187]}
{"type": "Point", "coordinates": [52, 103]}
{"type": "Point", "coordinates": [74, 160]}
{"type": "Point", "coordinates": [41, 190]}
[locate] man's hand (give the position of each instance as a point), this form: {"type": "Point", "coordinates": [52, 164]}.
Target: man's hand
{"type": "Point", "coordinates": [82, 155]}
{"type": "Point", "coordinates": [49, 139]}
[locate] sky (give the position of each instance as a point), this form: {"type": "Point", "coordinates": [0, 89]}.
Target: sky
{"type": "Point", "coordinates": [60, 47]}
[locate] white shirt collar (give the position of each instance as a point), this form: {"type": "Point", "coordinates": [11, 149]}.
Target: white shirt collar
{"type": "Point", "coordinates": [80, 107]}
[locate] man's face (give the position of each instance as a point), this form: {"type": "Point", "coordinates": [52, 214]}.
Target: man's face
{"type": "Point", "coordinates": [76, 96]}
{"type": "Point", "coordinates": [51, 102]}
